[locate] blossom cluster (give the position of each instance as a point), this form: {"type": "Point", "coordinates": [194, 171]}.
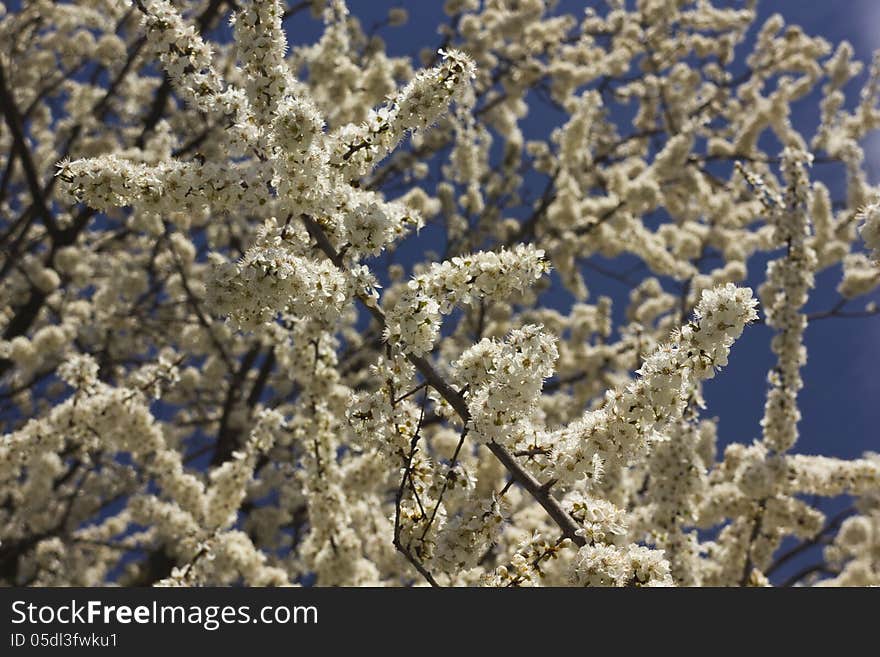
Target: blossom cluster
{"type": "Point", "coordinates": [413, 323]}
{"type": "Point", "coordinates": [637, 413]}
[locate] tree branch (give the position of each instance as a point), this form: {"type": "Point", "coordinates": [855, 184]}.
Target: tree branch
{"type": "Point", "coordinates": [538, 491]}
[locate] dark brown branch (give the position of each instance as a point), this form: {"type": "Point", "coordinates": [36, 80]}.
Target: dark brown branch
{"type": "Point", "coordinates": [227, 436]}
{"type": "Point", "coordinates": [16, 128]}
{"type": "Point", "coordinates": [806, 571]}
{"type": "Point", "coordinates": [811, 542]}
{"type": "Point", "coordinates": [541, 495]}
{"type": "Point", "coordinates": [398, 499]}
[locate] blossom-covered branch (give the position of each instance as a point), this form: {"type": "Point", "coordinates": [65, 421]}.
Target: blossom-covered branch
{"type": "Point", "coordinates": [282, 313]}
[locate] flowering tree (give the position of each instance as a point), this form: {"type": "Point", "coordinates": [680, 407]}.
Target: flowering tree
{"type": "Point", "coordinates": [280, 315]}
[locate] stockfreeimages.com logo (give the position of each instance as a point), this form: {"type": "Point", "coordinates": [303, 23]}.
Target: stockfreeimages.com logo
{"type": "Point", "coordinates": [210, 617]}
